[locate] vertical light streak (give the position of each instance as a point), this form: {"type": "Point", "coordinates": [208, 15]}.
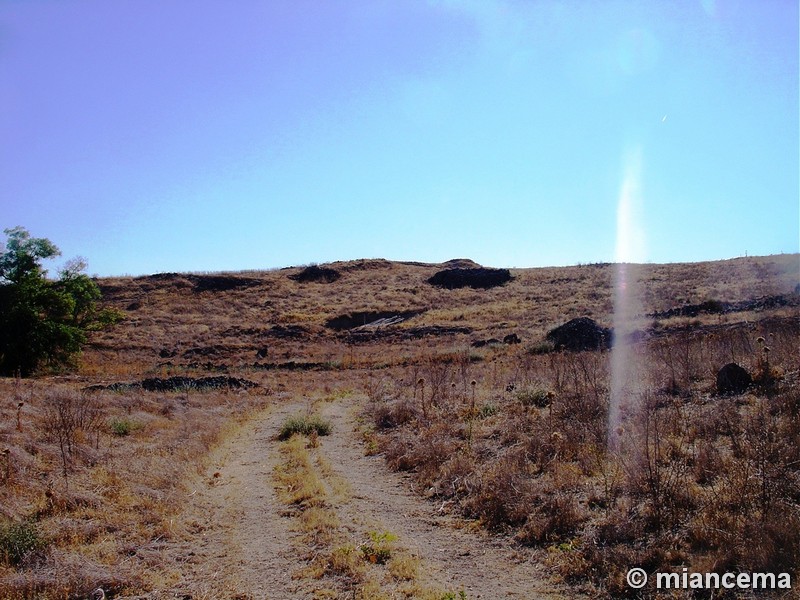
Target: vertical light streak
{"type": "Point", "coordinates": [629, 251]}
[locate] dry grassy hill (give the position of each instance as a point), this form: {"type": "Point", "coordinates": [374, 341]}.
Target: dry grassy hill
{"type": "Point", "coordinates": [224, 319]}
{"type": "Point", "coordinates": [109, 473]}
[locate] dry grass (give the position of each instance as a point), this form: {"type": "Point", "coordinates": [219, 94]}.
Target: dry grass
{"type": "Point", "coordinates": [103, 504]}
{"type": "Point", "coordinates": [708, 480]}
{"type": "Point", "coordinates": [377, 567]}
{"type": "Point", "coordinates": [700, 480]}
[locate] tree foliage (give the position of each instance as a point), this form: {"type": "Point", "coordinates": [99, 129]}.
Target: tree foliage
{"type": "Point", "coordinates": [43, 322]}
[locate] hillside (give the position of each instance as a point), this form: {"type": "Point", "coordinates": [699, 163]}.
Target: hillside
{"type": "Point", "coordinates": [449, 449]}
{"type": "Point", "coordinates": [224, 319]}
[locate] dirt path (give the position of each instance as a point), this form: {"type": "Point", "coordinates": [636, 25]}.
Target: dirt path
{"type": "Point", "coordinates": [243, 545]}
{"type": "Point", "coordinates": [481, 565]}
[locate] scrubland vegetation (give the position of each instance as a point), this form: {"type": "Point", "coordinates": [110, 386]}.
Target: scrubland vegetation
{"type": "Point", "coordinates": [513, 437]}
{"type": "Point", "coordinates": [698, 480]}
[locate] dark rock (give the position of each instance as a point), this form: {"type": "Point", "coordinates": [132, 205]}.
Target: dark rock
{"type": "Point", "coordinates": [316, 274]}
{"type": "Point", "coordinates": [262, 352]}
{"type": "Point", "coordinates": [512, 338]}
{"type": "Point", "coordinates": [733, 379]}
{"type": "Point", "coordinates": [477, 278]}
{"type": "Point", "coordinates": [167, 353]}
{"type": "Point", "coordinates": [579, 334]}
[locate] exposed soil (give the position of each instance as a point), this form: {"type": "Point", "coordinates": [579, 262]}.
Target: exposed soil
{"type": "Point", "coordinates": [456, 557]}
{"type": "Point", "coordinates": [476, 278]}
{"type": "Point", "coordinates": [242, 545]}
{"type": "Point", "coordinates": [317, 274]}
{"type": "Point", "coordinates": [240, 542]}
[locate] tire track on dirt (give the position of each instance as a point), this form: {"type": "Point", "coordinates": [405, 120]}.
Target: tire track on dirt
{"type": "Point", "coordinates": [482, 565]}
{"type": "Point", "coordinates": [241, 546]}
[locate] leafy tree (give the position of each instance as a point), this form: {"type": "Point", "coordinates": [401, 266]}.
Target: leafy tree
{"type": "Point", "coordinates": [43, 322]}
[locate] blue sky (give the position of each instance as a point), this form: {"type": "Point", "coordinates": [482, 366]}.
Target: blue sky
{"type": "Point", "coordinates": [184, 136]}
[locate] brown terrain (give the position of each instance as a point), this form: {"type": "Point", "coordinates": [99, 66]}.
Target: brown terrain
{"type": "Point", "coordinates": [447, 447]}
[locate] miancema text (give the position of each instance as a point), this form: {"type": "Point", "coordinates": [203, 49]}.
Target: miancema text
{"type": "Point", "coordinates": [715, 581]}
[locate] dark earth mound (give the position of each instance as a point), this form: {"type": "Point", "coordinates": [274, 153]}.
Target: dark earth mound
{"type": "Point", "coordinates": [477, 278]}
{"type": "Point", "coordinates": [276, 331]}
{"type": "Point", "coordinates": [461, 263]}
{"type": "Point", "coordinates": [316, 274]}
{"type": "Point", "coordinates": [359, 336]}
{"type": "Point", "coordinates": [579, 334]}
{"type": "Point", "coordinates": [733, 379]}
{"type": "Point", "coordinates": [366, 318]}
{"type": "Point", "coordinates": [482, 343]}
{"type": "Point", "coordinates": [291, 332]}
{"type": "Point", "coordinates": [175, 384]}
{"type": "Point", "coordinates": [172, 384]}
{"type": "Point", "coordinates": [293, 365]}
{"type": "Point", "coordinates": [222, 283]}
{"type": "Point", "coordinates": [720, 307]}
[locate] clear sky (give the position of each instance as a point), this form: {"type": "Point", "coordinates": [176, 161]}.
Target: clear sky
{"type": "Point", "coordinates": [151, 136]}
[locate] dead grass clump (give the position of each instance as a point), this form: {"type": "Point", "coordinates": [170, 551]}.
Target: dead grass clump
{"type": "Point", "coordinates": [457, 477]}
{"type": "Point", "coordinates": [298, 482]}
{"type": "Point", "coordinates": [346, 561]}
{"type": "Point", "coordinates": [304, 425]}
{"type": "Point", "coordinates": [556, 519]}
{"type": "Point", "coordinates": [404, 566]}
{"type": "Point", "coordinates": [505, 492]}
{"type": "Point", "coordinates": [394, 413]}
{"type": "Point", "coordinates": [319, 524]}
{"type": "Point", "coordinates": [69, 419]}
{"type": "Point", "coordinates": [424, 451]}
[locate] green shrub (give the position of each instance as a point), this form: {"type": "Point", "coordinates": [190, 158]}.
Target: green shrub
{"type": "Point", "coordinates": [304, 425]}
{"type": "Point", "coordinates": [17, 540]}
{"type": "Point", "coordinates": [123, 427]}
{"type": "Point", "coordinates": [538, 397]}
{"type": "Point", "coordinates": [487, 410]}
{"type": "Point", "coordinates": [378, 550]}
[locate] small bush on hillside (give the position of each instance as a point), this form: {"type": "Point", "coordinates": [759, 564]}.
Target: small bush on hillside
{"type": "Point", "coordinates": [304, 425]}
{"type": "Point", "coordinates": [123, 427]}
{"type": "Point", "coordinates": [17, 540]}
{"type": "Point", "coordinates": [537, 397]}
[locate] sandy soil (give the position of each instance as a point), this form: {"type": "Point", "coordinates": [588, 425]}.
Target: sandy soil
{"type": "Point", "coordinates": [242, 545]}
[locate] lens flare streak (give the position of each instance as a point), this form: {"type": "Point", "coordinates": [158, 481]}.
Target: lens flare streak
{"type": "Point", "coordinates": [629, 251]}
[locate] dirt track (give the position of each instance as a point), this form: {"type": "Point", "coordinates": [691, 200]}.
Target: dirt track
{"type": "Point", "coordinates": [243, 546]}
